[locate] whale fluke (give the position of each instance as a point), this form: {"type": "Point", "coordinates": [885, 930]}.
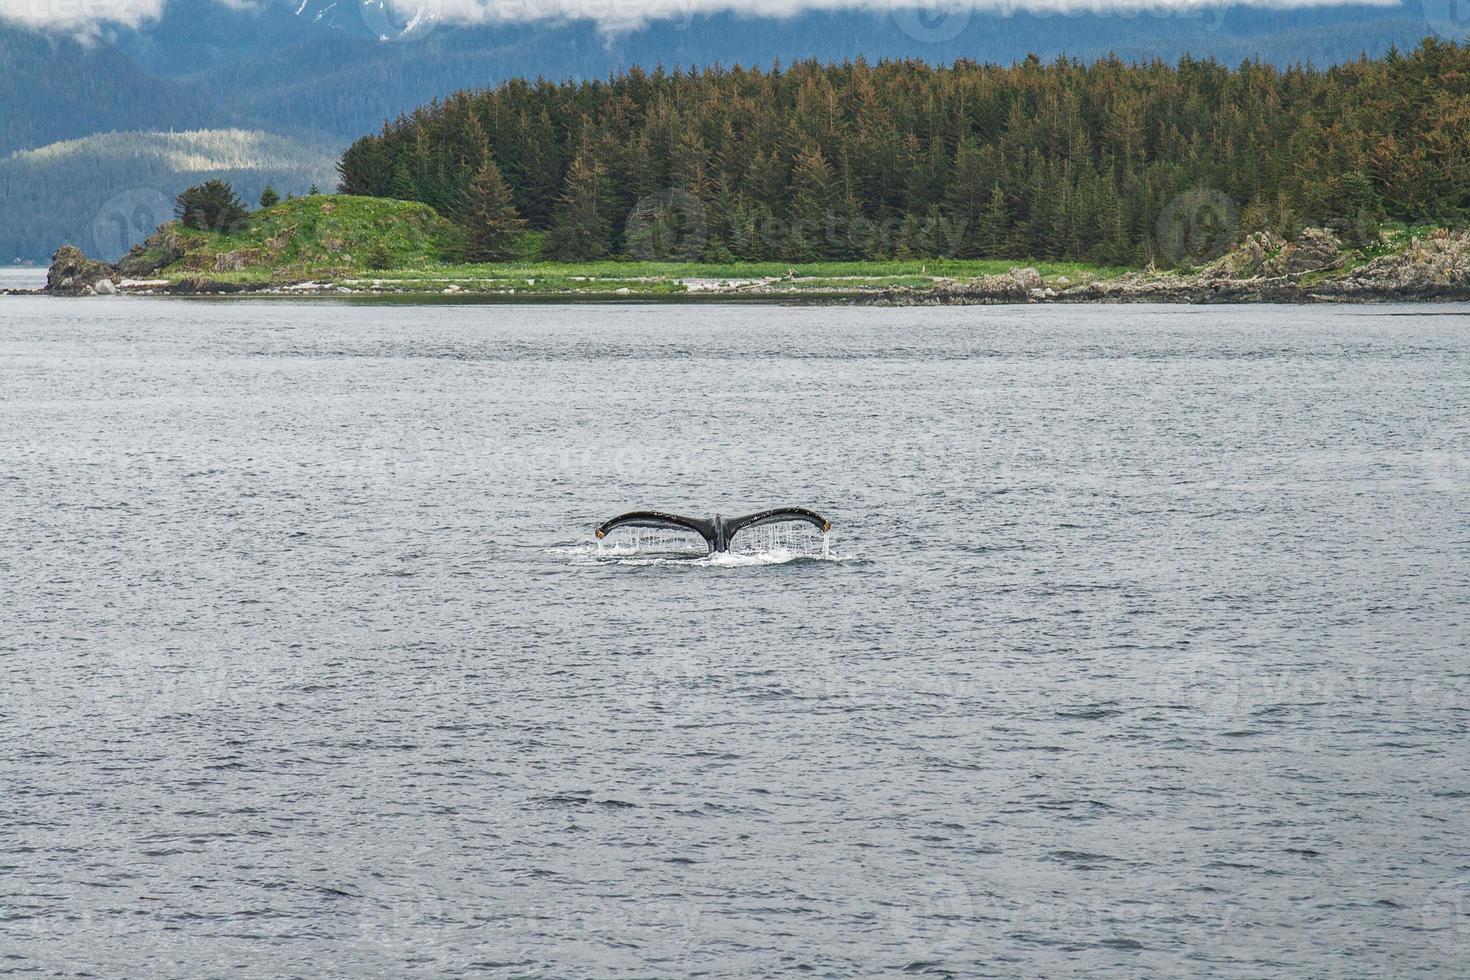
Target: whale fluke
{"type": "Point", "coordinates": [716, 531]}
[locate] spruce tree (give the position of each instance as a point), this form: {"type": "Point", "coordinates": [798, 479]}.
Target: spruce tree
{"type": "Point", "coordinates": [580, 227]}
{"type": "Point", "coordinates": [540, 170]}
{"type": "Point", "coordinates": [211, 206]}
{"type": "Point", "coordinates": [993, 235]}
{"type": "Point", "coordinates": [965, 198]}
{"type": "Point", "coordinates": [813, 208]}
{"type": "Point", "coordinates": [492, 224]}
{"type": "Point", "coordinates": [403, 187]}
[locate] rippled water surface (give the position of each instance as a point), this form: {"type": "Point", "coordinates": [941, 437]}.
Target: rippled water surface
{"type": "Point", "coordinates": [1142, 648]}
{"type": "Point", "coordinates": [22, 277]}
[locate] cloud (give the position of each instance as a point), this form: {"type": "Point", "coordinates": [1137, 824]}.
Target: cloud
{"type": "Point", "coordinates": [912, 16]}
{"type": "Point", "coordinates": [620, 15]}
{"type": "Point", "coordinates": [84, 17]}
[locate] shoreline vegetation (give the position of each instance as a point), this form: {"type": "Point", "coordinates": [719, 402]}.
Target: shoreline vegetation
{"type": "Point", "coordinates": [899, 183]}
{"type": "Point", "coordinates": [356, 247]}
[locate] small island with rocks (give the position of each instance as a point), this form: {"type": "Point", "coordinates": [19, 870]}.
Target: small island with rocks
{"type": "Point", "coordinates": [345, 246]}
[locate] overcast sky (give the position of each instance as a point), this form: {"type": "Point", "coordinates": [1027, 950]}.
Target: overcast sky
{"type": "Point", "coordinates": [614, 15]}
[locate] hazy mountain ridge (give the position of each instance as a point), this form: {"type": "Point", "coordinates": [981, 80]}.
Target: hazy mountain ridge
{"type": "Point", "coordinates": [185, 152]}
{"type": "Point", "coordinates": [366, 81]}
{"type": "Point", "coordinates": [362, 83]}
{"type": "Point", "coordinates": [54, 88]}
{"type": "Point", "coordinates": [107, 192]}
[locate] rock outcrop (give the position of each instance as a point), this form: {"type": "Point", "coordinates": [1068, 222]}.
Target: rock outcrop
{"type": "Point", "coordinates": [1265, 255]}
{"type": "Point", "coordinates": [73, 274]}
{"type": "Point", "coordinates": [1263, 269]}
{"type": "Point", "coordinates": [1435, 268]}
{"type": "Point", "coordinates": [1259, 254]}
{"type": "Point", "coordinates": [231, 261]}
{"type": "Point", "coordinates": [1315, 249]}
{"type": "Point", "coordinates": [160, 249]}
{"type": "Point", "coordinates": [1020, 285]}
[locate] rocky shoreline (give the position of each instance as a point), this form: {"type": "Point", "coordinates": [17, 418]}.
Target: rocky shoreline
{"type": "Point", "coordinates": [1314, 268]}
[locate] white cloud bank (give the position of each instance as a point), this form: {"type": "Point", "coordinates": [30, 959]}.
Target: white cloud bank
{"type": "Point", "coordinates": [625, 14]}
{"type": "Point", "coordinates": [911, 16]}
{"type": "Point", "coordinates": [80, 16]}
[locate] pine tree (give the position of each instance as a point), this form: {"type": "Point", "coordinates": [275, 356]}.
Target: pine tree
{"type": "Point", "coordinates": [366, 167]}
{"type": "Point", "coordinates": [910, 242]}
{"type": "Point", "coordinates": [765, 179]}
{"type": "Point", "coordinates": [633, 172]}
{"type": "Point", "coordinates": [748, 225]}
{"type": "Point", "coordinates": [403, 187]}
{"type": "Point", "coordinates": [269, 198]}
{"type": "Point", "coordinates": [540, 175]}
{"type": "Point", "coordinates": [211, 206]}
{"type": "Point", "coordinates": [580, 227]}
{"type": "Point", "coordinates": [965, 198]}
{"type": "Point", "coordinates": [993, 234]}
{"type": "Point", "coordinates": [813, 229]}
{"type": "Point", "coordinates": [492, 224]}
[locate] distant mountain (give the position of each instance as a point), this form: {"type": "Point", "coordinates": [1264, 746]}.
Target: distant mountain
{"type": "Point", "coordinates": [346, 81]}
{"type": "Point", "coordinates": [104, 193]}
{"type": "Point", "coordinates": [54, 88]}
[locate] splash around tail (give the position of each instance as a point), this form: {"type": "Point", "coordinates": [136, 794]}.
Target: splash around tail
{"type": "Point", "coordinates": [718, 531]}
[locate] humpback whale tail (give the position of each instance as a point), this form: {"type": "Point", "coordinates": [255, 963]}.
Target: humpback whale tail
{"type": "Point", "coordinates": [717, 531]}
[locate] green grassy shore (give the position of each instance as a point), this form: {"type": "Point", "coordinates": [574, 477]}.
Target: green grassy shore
{"type": "Point", "coordinates": [374, 245]}
{"type": "Point", "coordinates": [335, 245]}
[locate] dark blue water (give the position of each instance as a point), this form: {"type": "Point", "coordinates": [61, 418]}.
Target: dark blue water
{"type": "Point", "coordinates": [1142, 649]}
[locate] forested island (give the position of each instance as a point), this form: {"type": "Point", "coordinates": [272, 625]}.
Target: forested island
{"type": "Point", "coordinates": [899, 180]}
{"type": "Point", "coordinates": [1055, 161]}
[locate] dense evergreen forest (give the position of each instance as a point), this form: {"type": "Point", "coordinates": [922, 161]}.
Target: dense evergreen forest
{"type": "Point", "coordinates": [1049, 160]}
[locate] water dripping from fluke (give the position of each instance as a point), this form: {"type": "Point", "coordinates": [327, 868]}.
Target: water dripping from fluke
{"type": "Point", "coordinates": [774, 536]}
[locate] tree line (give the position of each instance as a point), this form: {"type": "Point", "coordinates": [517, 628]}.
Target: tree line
{"type": "Point", "coordinates": [1107, 162]}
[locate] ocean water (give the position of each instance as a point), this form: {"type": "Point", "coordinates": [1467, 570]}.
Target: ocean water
{"type": "Point", "coordinates": [22, 277]}
{"type": "Point", "coordinates": [1140, 647]}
